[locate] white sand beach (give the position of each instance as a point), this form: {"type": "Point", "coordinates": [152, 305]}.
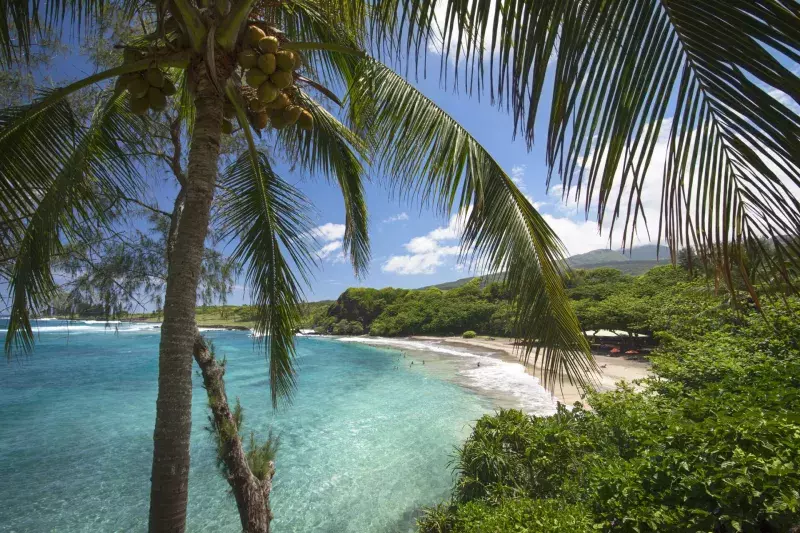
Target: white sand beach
{"type": "Point", "coordinates": [612, 369]}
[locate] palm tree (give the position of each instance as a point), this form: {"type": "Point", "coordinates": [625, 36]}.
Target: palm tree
{"type": "Point", "coordinates": [724, 69]}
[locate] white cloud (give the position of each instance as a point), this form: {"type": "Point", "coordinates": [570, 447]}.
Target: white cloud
{"type": "Point", "coordinates": [396, 218]}
{"type": "Point", "coordinates": [427, 252]}
{"type": "Point", "coordinates": [518, 175]}
{"type": "Point", "coordinates": [329, 249]}
{"type": "Point", "coordinates": [426, 263]}
{"type": "Point", "coordinates": [421, 245]}
{"type": "Point", "coordinates": [328, 232]}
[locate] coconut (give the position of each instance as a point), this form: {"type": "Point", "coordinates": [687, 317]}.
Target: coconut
{"type": "Point", "coordinates": [306, 120]}
{"type": "Point", "coordinates": [278, 121]}
{"type": "Point", "coordinates": [285, 60]}
{"type": "Point", "coordinates": [129, 55]}
{"type": "Point", "coordinates": [139, 87]}
{"type": "Point", "coordinates": [291, 114]}
{"type": "Point", "coordinates": [267, 92]}
{"type": "Point", "coordinates": [281, 79]}
{"type": "Point", "coordinates": [256, 106]}
{"type": "Point", "coordinates": [280, 102]}
{"type": "Point", "coordinates": [255, 78]}
{"type": "Point", "coordinates": [227, 127]}
{"type": "Point", "coordinates": [154, 77]}
{"type": "Point", "coordinates": [139, 106]}
{"type": "Point", "coordinates": [169, 88]}
{"type": "Point", "coordinates": [266, 63]}
{"type": "Point", "coordinates": [268, 45]}
{"type": "Point", "coordinates": [228, 111]}
{"type": "Point", "coordinates": [260, 120]}
{"type": "Point", "coordinates": [248, 58]}
{"type": "Point", "coordinates": [298, 61]}
{"type": "Point", "coordinates": [158, 101]}
{"type": "Point", "coordinates": [254, 35]}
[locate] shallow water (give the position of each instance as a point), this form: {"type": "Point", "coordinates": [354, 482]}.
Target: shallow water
{"type": "Point", "coordinates": [364, 445]}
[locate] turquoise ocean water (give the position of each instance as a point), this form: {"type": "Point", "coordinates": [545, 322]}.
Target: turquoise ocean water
{"type": "Point", "coordinates": [365, 443]}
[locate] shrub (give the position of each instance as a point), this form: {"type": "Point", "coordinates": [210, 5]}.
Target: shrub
{"type": "Point", "coordinates": [469, 334]}
{"type": "Point", "coordinates": [711, 443]}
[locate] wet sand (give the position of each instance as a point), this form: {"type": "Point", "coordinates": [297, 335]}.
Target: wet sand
{"type": "Point", "coordinates": [612, 369]}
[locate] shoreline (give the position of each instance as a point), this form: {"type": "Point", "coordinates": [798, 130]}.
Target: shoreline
{"type": "Point", "coordinates": [612, 369]}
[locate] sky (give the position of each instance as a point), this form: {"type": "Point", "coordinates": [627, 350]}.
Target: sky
{"type": "Point", "coordinates": [413, 247]}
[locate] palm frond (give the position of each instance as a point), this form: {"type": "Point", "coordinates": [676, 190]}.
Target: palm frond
{"type": "Point", "coordinates": [335, 21]}
{"type": "Point", "coordinates": [727, 70]}
{"type": "Point", "coordinates": [89, 168]}
{"type": "Point", "coordinates": [334, 151]}
{"type": "Point", "coordinates": [432, 158]}
{"type": "Point", "coordinates": [269, 217]}
{"type": "Point", "coordinates": [22, 19]}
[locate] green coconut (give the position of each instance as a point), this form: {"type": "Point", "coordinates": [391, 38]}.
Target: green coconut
{"type": "Point", "coordinates": [227, 127]}
{"type": "Point", "coordinates": [291, 114]}
{"type": "Point", "coordinates": [254, 35]}
{"type": "Point", "coordinates": [266, 63]}
{"type": "Point", "coordinates": [256, 106]}
{"type": "Point", "coordinates": [298, 61]}
{"type": "Point", "coordinates": [139, 87]}
{"type": "Point", "coordinates": [267, 92]}
{"type": "Point", "coordinates": [281, 79]}
{"type": "Point", "coordinates": [268, 45]}
{"type": "Point", "coordinates": [306, 120]}
{"type": "Point", "coordinates": [278, 121]}
{"type": "Point", "coordinates": [255, 78]}
{"type": "Point", "coordinates": [129, 55]}
{"type": "Point", "coordinates": [154, 77]}
{"type": "Point", "coordinates": [228, 111]}
{"type": "Point", "coordinates": [158, 101]}
{"type": "Point", "coordinates": [248, 58]}
{"type": "Point", "coordinates": [280, 102]}
{"type": "Point", "coordinates": [139, 106]}
{"type": "Point", "coordinates": [169, 88]}
{"type": "Point", "coordinates": [285, 60]}
{"type": "Point", "coordinates": [260, 120]}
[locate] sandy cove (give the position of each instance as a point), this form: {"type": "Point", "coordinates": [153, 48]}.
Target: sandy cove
{"type": "Point", "coordinates": [612, 369]}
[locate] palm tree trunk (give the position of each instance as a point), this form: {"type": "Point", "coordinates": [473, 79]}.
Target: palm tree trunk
{"type": "Point", "coordinates": [251, 493]}
{"type": "Point", "coordinates": [170, 476]}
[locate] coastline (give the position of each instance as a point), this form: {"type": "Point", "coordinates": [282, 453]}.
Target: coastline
{"type": "Point", "coordinates": [612, 369]}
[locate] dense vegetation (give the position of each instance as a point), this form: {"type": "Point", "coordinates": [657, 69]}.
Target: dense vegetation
{"type": "Point", "coordinates": [603, 298]}
{"type": "Point", "coordinates": [710, 443]}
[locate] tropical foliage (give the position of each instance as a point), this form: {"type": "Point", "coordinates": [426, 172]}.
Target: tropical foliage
{"type": "Point", "coordinates": [710, 443]}
{"type": "Point", "coordinates": [602, 298]}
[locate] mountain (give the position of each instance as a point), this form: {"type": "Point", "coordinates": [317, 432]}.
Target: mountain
{"type": "Point", "coordinates": [635, 261]}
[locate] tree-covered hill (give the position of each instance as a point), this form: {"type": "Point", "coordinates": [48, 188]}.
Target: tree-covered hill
{"type": "Point", "coordinates": [603, 298]}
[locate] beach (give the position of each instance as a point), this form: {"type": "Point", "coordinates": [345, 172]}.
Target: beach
{"type": "Point", "coordinates": [612, 369]}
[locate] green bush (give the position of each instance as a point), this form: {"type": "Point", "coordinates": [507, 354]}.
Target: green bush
{"type": "Point", "coordinates": [469, 334]}
{"type": "Point", "coordinates": [518, 516]}
{"type": "Point", "coordinates": [711, 443]}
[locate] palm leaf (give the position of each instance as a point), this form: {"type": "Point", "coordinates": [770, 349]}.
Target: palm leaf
{"type": "Point", "coordinates": [268, 216]}
{"type": "Point", "coordinates": [432, 158]}
{"type": "Point", "coordinates": [726, 69]}
{"type": "Point", "coordinates": [336, 152]}
{"type": "Point", "coordinates": [96, 168]}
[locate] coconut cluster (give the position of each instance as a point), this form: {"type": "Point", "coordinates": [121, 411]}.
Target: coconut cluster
{"type": "Point", "coordinates": [270, 71]}
{"type": "Point", "coordinates": [149, 89]}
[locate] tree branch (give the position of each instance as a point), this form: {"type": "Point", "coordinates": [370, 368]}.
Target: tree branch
{"type": "Point", "coordinates": [194, 23]}
{"type": "Point", "coordinates": [145, 206]}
